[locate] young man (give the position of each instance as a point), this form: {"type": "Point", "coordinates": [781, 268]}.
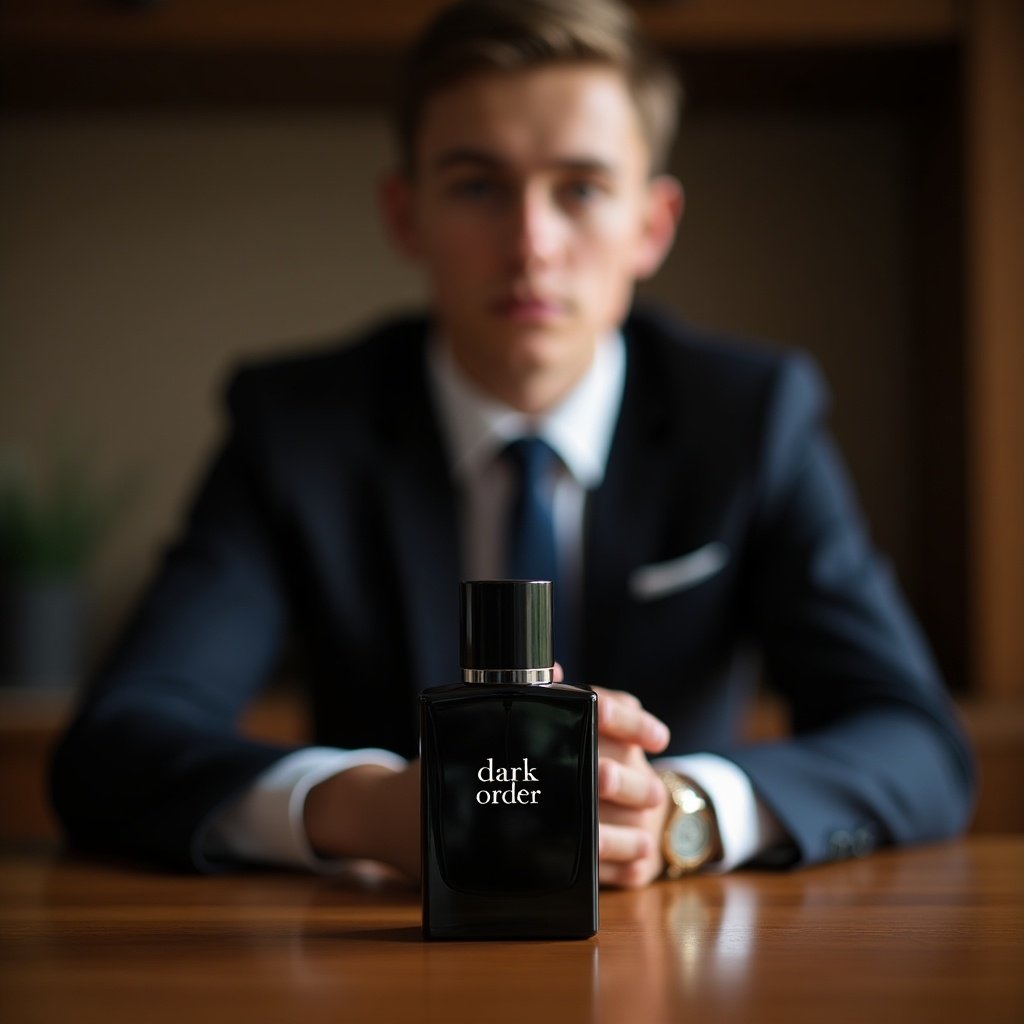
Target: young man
{"type": "Point", "coordinates": [698, 505]}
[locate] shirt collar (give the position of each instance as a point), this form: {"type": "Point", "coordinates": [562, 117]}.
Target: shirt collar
{"type": "Point", "coordinates": [580, 428]}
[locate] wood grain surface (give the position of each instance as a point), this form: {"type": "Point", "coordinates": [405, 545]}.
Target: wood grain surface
{"type": "Point", "coordinates": [931, 934]}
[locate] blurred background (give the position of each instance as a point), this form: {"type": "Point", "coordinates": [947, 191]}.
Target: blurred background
{"type": "Point", "coordinates": [185, 184]}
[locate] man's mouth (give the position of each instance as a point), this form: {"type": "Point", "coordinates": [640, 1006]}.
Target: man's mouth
{"type": "Point", "coordinates": [526, 307]}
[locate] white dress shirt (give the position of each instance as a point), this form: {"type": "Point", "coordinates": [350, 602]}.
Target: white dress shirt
{"type": "Point", "coordinates": [266, 823]}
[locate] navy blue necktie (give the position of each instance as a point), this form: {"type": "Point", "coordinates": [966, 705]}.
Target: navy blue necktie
{"type": "Point", "coordinates": [531, 547]}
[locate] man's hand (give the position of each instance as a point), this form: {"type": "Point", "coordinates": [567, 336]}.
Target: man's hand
{"type": "Point", "coordinates": [633, 801]}
{"type": "Point", "coordinates": [368, 812]}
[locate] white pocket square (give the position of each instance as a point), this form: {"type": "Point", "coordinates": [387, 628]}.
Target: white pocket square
{"type": "Point", "coordinates": [652, 581]}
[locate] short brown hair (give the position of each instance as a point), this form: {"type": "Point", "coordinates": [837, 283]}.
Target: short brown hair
{"type": "Point", "coordinates": [474, 36]}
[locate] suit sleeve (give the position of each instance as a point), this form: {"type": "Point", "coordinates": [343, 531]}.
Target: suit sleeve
{"type": "Point", "coordinates": [154, 751]}
{"type": "Point", "coordinates": [876, 754]}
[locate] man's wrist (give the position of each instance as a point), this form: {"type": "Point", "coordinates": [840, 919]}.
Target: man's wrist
{"type": "Point", "coordinates": [265, 823]}
{"type": "Point", "coordinates": [342, 814]}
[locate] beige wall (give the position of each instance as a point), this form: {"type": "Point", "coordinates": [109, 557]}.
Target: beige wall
{"type": "Point", "coordinates": [140, 256]}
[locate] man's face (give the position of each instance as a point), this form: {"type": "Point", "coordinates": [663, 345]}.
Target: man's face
{"type": "Point", "coordinates": [532, 213]}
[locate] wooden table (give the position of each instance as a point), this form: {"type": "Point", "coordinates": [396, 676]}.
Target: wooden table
{"type": "Point", "coordinates": [931, 934]}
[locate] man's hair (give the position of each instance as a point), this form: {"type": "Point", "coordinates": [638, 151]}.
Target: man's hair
{"type": "Point", "coordinates": [478, 36]}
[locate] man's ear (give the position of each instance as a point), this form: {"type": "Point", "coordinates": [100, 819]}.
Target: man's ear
{"type": "Point", "coordinates": [665, 204]}
{"type": "Point", "coordinates": [397, 206]}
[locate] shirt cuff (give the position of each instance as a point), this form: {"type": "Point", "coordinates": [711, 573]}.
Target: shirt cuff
{"type": "Point", "coordinates": [265, 825]}
{"type": "Point", "coordinates": [746, 827]}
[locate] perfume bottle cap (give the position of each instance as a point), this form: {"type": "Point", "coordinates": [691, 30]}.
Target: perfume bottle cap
{"type": "Point", "coordinates": [506, 624]}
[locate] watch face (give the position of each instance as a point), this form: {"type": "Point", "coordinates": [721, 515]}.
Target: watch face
{"type": "Point", "coordinates": [689, 835]}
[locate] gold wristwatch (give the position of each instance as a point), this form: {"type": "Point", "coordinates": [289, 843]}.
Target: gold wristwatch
{"type": "Point", "coordinates": [691, 836]}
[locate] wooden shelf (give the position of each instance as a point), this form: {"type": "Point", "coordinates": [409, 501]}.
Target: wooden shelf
{"type": "Point", "coordinates": [74, 53]}
{"type": "Point", "coordinates": [389, 24]}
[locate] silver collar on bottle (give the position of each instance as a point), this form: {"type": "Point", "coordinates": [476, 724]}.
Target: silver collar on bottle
{"type": "Point", "coordinates": [523, 676]}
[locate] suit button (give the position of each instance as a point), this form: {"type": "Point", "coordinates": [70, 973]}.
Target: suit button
{"type": "Point", "coordinates": [863, 841]}
{"type": "Point", "coordinates": [840, 844]}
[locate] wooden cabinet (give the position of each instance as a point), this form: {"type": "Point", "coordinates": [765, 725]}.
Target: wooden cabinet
{"type": "Point", "coordinates": [993, 97]}
{"type": "Point", "coordinates": [953, 72]}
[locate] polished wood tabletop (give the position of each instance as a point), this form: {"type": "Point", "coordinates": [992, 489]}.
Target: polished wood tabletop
{"type": "Point", "coordinates": [929, 934]}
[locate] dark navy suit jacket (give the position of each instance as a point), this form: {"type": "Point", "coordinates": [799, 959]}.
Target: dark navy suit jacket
{"type": "Point", "coordinates": [330, 515]}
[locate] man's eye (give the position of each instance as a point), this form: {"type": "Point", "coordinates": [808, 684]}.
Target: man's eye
{"type": "Point", "coordinates": [581, 191]}
{"type": "Point", "coordinates": [474, 188]}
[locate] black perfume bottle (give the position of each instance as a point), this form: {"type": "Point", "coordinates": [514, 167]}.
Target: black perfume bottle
{"type": "Point", "coordinates": [509, 780]}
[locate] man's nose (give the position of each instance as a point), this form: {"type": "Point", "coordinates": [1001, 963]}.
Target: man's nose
{"type": "Point", "coordinates": [537, 231]}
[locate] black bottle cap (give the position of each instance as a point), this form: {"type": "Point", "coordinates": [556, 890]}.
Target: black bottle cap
{"type": "Point", "coordinates": [506, 624]}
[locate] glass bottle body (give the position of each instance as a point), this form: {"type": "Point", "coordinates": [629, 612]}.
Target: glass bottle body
{"type": "Point", "coordinates": [509, 811]}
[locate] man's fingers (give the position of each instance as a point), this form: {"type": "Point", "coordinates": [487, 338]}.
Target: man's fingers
{"type": "Point", "coordinates": [632, 875]}
{"type": "Point", "coordinates": [621, 844]}
{"type": "Point", "coordinates": [625, 719]}
{"type": "Point", "coordinates": [622, 695]}
{"type": "Point", "coordinates": [620, 784]}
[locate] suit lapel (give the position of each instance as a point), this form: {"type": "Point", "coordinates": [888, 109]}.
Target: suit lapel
{"type": "Point", "coordinates": [422, 520]}
{"type": "Point", "coordinates": [626, 516]}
